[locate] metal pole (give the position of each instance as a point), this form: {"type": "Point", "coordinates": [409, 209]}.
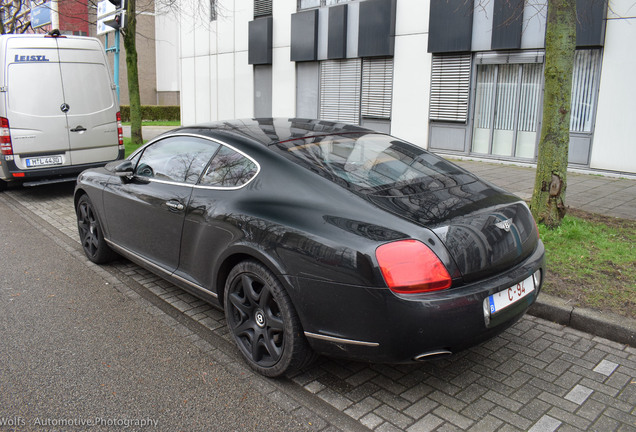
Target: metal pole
{"type": "Point", "coordinates": [55, 16]}
{"type": "Point", "coordinates": [115, 49]}
{"type": "Point", "coordinates": [116, 66]}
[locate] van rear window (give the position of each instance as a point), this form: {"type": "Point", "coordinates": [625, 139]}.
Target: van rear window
{"type": "Point", "coordinates": [33, 89]}
{"type": "Point", "coordinates": [87, 87]}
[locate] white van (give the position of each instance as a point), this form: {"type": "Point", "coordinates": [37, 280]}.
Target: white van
{"type": "Point", "coordinates": [59, 112]}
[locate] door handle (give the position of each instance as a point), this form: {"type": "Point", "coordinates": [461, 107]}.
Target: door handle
{"type": "Point", "coordinates": [175, 205]}
{"type": "Point", "coordinates": [79, 129]}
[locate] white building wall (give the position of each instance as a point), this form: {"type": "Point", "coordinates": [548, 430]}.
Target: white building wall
{"type": "Point", "coordinates": [244, 87]}
{"type": "Point", "coordinates": [216, 82]}
{"type": "Point", "coordinates": [167, 42]}
{"type": "Point", "coordinates": [283, 69]}
{"type": "Point", "coordinates": [411, 73]}
{"type": "Point", "coordinates": [188, 101]}
{"type": "Point", "coordinates": [614, 145]}
{"type": "Point", "coordinates": [202, 83]}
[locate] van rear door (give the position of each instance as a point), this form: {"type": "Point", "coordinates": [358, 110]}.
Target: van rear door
{"type": "Point", "coordinates": [35, 103]}
{"type": "Point", "coordinates": [91, 100]}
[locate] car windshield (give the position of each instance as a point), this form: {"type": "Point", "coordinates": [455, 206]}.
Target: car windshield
{"type": "Point", "coordinates": [372, 162]}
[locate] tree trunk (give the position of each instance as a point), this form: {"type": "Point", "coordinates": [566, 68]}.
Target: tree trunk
{"type": "Point", "coordinates": [130, 44]}
{"type": "Point", "coordinates": [548, 198]}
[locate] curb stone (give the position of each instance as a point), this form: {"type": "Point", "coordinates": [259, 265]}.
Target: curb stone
{"type": "Point", "coordinates": [603, 324]}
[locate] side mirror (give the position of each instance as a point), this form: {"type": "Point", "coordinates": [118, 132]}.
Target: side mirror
{"type": "Point", "coordinates": [125, 169]}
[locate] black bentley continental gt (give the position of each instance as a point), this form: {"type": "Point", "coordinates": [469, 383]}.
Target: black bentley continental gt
{"type": "Point", "coordinates": [319, 237]}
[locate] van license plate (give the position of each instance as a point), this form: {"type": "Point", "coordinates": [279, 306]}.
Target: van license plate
{"type": "Point", "coordinates": [43, 161]}
{"type": "Point", "coordinates": [505, 298]}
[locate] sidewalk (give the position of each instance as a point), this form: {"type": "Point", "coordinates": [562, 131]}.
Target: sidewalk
{"type": "Point", "coordinates": [594, 193]}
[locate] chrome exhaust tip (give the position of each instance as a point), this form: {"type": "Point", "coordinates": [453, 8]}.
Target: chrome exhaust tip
{"type": "Point", "coordinates": [432, 355]}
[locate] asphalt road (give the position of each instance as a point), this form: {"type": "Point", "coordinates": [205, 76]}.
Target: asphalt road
{"type": "Point", "coordinates": [76, 354]}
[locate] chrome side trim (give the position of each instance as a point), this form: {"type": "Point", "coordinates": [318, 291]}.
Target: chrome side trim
{"type": "Point", "coordinates": [127, 252]}
{"type": "Point", "coordinates": [195, 286]}
{"type": "Point", "coordinates": [196, 186]}
{"type": "Point", "coordinates": [341, 340]}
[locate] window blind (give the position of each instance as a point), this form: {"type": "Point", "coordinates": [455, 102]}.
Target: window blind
{"type": "Point", "coordinates": [450, 87]}
{"type": "Point", "coordinates": [340, 90]}
{"type": "Point", "coordinates": [262, 8]}
{"type": "Point", "coordinates": [377, 88]}
{"type": "Point", "coordinates": [585, 76]}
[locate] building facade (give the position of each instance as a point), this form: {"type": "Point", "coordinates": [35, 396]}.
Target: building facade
{"type": "Point", "coordinates": [456, 77]}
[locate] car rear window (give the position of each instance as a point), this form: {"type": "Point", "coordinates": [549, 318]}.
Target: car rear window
{"type": "Point", "coordinates": [373, 162]}
{"type": "Point", "coordinates": [229, 168]}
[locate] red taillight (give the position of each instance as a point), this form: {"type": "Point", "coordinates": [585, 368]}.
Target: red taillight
{"type": "Point", "coordinates": [410, 267]}
{"type": "Point", "coordinates": [120, 132]}
{"type": "Point", "coordinates": [6, 148]}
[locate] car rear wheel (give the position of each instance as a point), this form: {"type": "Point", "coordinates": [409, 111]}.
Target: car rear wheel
{"type": "Point", "coordinates": [90, 232]}
{"type": "Point", "coordinates": [263, 321]}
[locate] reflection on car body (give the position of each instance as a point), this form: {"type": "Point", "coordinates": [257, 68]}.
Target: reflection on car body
{"type": "Point", "coordinates": [318, 237]}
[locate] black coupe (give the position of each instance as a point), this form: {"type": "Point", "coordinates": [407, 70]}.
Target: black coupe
{"type": "Point", "coordinates": [319, 237]}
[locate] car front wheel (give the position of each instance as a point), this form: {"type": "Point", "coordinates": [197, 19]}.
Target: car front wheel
{"type": "Point", "coordinates": [263, 321]}
{"type": "Point", "coordinates": [91, 234]}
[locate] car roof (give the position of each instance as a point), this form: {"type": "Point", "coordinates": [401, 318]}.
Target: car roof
{"type": "Point", "coordinates": [269, 131]}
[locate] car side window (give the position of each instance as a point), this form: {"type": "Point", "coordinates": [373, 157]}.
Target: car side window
{"type": "Point", "coordinates": [229, 168]}
{"type": "Point", "coordinates": [178, 159]}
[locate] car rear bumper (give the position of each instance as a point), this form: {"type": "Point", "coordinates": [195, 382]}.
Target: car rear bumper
{"type": "Point", "coordinates": [379, 326]}
{"type": "Point", "coordinates": [10, 172]}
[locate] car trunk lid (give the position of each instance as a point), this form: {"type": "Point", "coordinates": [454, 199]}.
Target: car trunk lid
{"type": "Point", "coordinates": [485, 229]}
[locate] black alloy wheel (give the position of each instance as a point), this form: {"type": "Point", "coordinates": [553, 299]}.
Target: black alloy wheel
{"type": "Point", "coordinates": [90, 232]}
{"type": "Point", "coordinates": [263, 321]}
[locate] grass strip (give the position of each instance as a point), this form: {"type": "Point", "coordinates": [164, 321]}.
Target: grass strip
{"type": "Point", "coordinates": [591, 261]}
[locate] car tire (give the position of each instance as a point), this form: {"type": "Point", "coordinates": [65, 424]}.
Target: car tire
{"type": "Point", "coordinates": [3, 185]}
{"type": "Point", "coordinates": [263, 321]}
{"type": "Point", "coordinates": [91, 234]}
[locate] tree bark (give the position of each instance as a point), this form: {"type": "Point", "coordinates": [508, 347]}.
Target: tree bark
{"type": "Point", "coordinates": [130, 33]}
{"type": "Point", "coordinates": [548, 198]}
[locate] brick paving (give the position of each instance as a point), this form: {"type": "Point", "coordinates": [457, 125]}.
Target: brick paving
{"type": "Point", "coordinates": [536, 376]}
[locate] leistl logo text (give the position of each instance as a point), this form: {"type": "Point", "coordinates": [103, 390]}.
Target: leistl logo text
{"type": "Point", "coordinates": [31, 58]}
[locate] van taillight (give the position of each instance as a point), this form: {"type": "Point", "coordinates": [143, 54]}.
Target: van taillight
{"type": "Point", "coordinates": [6, 148]}
{"type": "Point", "coordinates": [120, 132]}
{"type": "Point", "coordinates": [410, 267]}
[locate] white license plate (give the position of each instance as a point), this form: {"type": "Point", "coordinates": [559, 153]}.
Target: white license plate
{"type": "Point", "coordinates": [43, 161]}
{"type": "Point", "coordinates": [505, 298]}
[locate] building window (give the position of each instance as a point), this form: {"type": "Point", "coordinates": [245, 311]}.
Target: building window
{"type": "Point", "coordinates": [213, 11]}
{"type": "Point", "coordinates": [377, 88]}
{"type": "Point", "coordinates": [262, 8]}
{"type": "Point", "coordinates": [309, 4]}
{"type": "Point", "coordinates": [450, 88]}
{"type": "Point", "coordinates": [262, 91]}
{"type": "Point", "coordinates": [585, 80]}
{"type": "Point", "coordinates": [507, 99]}
{"type": "Point", "coordinates": [340, 90]}
{"type": "Point", "coordinates": [356, 91]}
